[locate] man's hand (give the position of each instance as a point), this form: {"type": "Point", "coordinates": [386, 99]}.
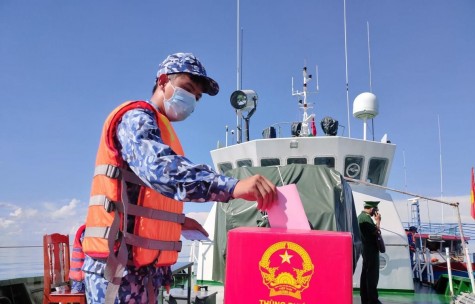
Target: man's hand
{"type": "Point", "coordinates": [377, 219]}
{"type": "Point", "coordinates": [377, 216]}
{"type": "Point", "coordinates": [256, 188]}
{"type": "Point", "coordinates": [191, 224]}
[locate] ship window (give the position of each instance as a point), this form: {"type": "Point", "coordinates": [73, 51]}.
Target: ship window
{"type": "Point", "coordinates": [266, 162]}
{"type": "Point", "coordinates": [296, 160]}
{"type": "Point", "coordinates": [327, 161]}
{"type": "Point", "coordinates": [377, 170]}
{"type": "Point", "coordinates": [353, 166]}
{"type": "Point", "coordinates": [224, 167]}
{"type": "Point", "coordinates": [244, 163]}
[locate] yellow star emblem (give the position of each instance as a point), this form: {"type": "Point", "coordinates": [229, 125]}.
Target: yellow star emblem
{"type": "Point", "coordinates": [285, 257]}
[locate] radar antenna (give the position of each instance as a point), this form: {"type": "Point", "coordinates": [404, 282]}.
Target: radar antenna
{"type": "Point", "coordinates": [304, 105]}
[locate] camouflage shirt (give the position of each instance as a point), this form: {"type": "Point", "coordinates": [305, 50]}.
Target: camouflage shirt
{"type": "Point", "coordinates": [161, 169]}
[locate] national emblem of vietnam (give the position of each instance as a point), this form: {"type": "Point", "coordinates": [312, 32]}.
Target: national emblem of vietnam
{"type": "Point", "coordinates": [286, 269]}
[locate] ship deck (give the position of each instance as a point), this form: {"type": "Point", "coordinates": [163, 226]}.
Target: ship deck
{"type": "Point", "coordinates": [424, 294]}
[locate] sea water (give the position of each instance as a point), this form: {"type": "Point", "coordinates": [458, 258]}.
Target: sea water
{"type": "Point", "coordinates": [20, 262]}
{"type": "Point", "coordinates": [27, 261]}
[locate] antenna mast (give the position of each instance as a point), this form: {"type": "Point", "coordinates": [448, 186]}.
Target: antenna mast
{"type": "Point", "coordinates": [238, 54]}
{"type": "Point", "coordinates": [304, 130]}
{"type": "Point", "coordinates": [346, 69]}
{"type": "Point", "coordinates": [369, 67]}
{"type": "Point", "coordinates": [369, 59]}
{"type": "Point", "coordinates": [405, 173]}
{"type": "Point", "coordinates": [440, 161]}
{"type": "Point", "coordinates": [238, 76]}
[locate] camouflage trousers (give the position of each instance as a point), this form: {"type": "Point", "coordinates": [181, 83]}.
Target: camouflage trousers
{"type": "Point", "coordinates": [132, 290]}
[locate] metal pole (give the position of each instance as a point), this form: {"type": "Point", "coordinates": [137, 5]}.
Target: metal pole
{"type": "Point", "coordinates": [440, 161]}
{"type": "Point", "coordinates": [238, 76]}
{"type": "Point", "coordinates": [238, 55]}
{"type": "Point", "coordinates": [465, 248]}
{"type": "Point", "coordinates": [428, 266]}
{"type": "Point", "coordinates": [346, 70]}
{"type": "Point", "coordinates": [420, 253]}
{"type": "Point", "coordinates": [203, 258]}
{"type": "Point", "coordinates": [226, 136]}
{"type": "Point", "coordinates": [415, 268]}
{"type": "Point", "coordinates": [403, 192]}
{"type": "Point", "coordinates": [449, 271]}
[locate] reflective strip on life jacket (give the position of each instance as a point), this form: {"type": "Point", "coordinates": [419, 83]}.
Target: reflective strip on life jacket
{"type": "Point", "coordinates": [102, 200]}
{"type": "Point", "coordinates": [116, 172]}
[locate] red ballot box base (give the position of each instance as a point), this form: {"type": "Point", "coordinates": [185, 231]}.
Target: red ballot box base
{"type": "Point", "coordinates": [279, 266]}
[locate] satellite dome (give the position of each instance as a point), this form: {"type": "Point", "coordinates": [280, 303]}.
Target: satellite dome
{"type": "Point", "coordinates": [365, 106]}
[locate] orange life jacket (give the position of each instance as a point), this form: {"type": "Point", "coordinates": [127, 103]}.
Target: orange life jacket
{"type": "Point", "coordinates": [157, 227]}
{"type": "Point", "coordinates": [77, 257]}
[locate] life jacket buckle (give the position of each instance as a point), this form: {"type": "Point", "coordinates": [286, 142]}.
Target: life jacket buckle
{"type": "Point", "coordinates": [106, 232]}
{"type": "Point", "coordinates": [109, 206]}
{"type": "Point", "coordinates": [112, 172]}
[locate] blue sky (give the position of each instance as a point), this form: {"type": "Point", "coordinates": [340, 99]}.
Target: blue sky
{"type": "Point", "coordinates": [64, 65]}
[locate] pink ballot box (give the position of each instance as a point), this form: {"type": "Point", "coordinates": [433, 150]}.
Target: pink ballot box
{"type": "Point", "coordinates": [275, 265]}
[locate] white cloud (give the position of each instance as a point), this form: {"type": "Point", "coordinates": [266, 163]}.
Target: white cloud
{"type": "Point", "coordinates": [5, 223]}
{"type": "Point", "coordinates": [29, 213]}
{"type": "Point", "coordinates": [23, 213]}
{"type": "Point", "coordinates": [16, 212]}
{"type": "Point", "coordinates": [16, 232]}
{"type": "Point", "coordinates": [26, 226]}
{"type": "Point", "coordinates": [6, 207]}
{"type": "Point", "coordinates": [66, 211]}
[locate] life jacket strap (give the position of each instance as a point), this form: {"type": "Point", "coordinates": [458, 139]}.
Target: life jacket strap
{"type": "Point", "coordinates": [134, 240]}
{"type": "Point", "coordinates": [156, 214]}
{"type": "Point", "coordinates": [115, 172]}
{"type": "Point", "coordinates": [102, 200]}
{"type": "Point", "coordinates": [150, 290]}
{"type": "Point", "coordinates": [116, 262]}
{"type": "Point", "coordinates": [138, 241]}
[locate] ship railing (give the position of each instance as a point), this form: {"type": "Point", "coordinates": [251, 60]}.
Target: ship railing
{"type": "Point", "coordinates": [422, 263]}
{"type": "Point", "coordinates": [444, 228]}
{"type": "Point", "coordinates": [275, 130]}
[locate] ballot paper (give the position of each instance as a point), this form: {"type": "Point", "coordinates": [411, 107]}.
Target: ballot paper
{"type": "Point", "coordinates": [194, 235]}
{"type": "Point", "coordinates": [287, 211]}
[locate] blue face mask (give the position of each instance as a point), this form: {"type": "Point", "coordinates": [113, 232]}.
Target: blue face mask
{"type": "Point", "coordinates": [180, 105]}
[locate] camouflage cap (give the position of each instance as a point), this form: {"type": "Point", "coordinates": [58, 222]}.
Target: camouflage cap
{"type": "Point", "coordinates": [371, 204]}
{"type": "Point", "coordinates": [188, 63]}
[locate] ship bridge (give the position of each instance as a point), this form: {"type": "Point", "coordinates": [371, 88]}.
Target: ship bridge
{"type": "Point", "coordinates": [358, 159]}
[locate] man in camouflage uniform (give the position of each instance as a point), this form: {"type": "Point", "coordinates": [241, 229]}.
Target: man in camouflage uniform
{"type": "Point", "coordinates": [181, 80]}
{"type": "Point", "coordinates": [369, 231]}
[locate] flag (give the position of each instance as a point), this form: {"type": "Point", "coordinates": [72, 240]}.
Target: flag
{"type": "Point", "coordinates": [472, 196]}
{"type": "Point", "coordinates": [314, 129]}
